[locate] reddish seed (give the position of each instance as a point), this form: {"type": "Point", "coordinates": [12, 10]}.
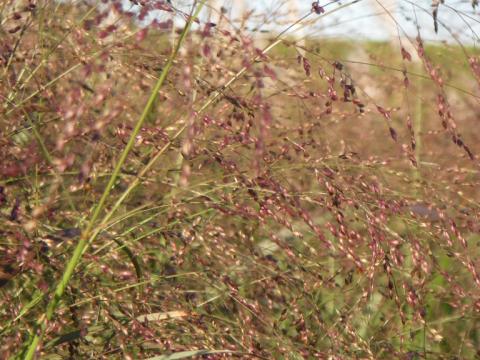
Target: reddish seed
{"type": "Point", "coordinates": [3, 197]}
{"type": "Point", "coordinates": [206, 50]}
{"type": "Point", "coordinates": [15, 29]}
{"type": "Point", "coordinates": [338, 65]}
{"type": "Point", "coordinates": [316, 8]}
{"type": "Point", "coordinates": [306, 66]}
{"type": "Point", "coordinates": [384, 112]}
{"type": "Point", "coordinates": [406, 81]}
{"type": "Point", "coordinates": [393, 133]}
{"type": "Point", "coordinates": [15, 210]}
{"type": "Point", "coordinates": [269, 72]}
{"type": "Point", "coordinates": [142, 34]}
{"type": "Point", "coordinates": [406, 55]}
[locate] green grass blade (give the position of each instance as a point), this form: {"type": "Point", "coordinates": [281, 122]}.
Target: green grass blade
{"type": "Point", "coordinates": [189, 354]}
{"type": "Point", "coordinates": [82, 244]}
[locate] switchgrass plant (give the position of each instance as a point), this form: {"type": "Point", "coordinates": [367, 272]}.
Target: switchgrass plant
{"type": "Point", "coordinates": [217, 198]}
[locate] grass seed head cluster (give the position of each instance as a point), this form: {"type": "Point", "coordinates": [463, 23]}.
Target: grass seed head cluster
{"type": "Point", "coordinates": [314, 201]}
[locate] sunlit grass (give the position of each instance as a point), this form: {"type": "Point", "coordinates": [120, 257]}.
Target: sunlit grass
{"type": "Point", "coordinates": [277, 217]}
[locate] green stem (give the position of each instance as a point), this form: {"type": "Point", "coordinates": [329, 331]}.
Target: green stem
{"type": "Point", "coordinates": [84, 239]}
{"type": "Point", "coordinates": [418, 126]}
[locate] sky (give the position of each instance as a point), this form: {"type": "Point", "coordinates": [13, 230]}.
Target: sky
{"type": "Point", "coordinates": [365, 19]}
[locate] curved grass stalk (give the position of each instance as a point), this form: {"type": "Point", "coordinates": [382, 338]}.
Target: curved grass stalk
{"type": "Point", "coordinates": [88, 237]}
{"type": "Point", "coordinates": [217, 94]}
{"type": "Point", "coordinates": [84, 239]}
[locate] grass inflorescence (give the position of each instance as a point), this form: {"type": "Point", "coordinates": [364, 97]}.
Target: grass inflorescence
{"type": "Point", "coordinates": [217, 196]}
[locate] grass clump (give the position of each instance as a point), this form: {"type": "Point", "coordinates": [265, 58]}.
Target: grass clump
{"type": "Point", "coordinates": [267, 202]}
